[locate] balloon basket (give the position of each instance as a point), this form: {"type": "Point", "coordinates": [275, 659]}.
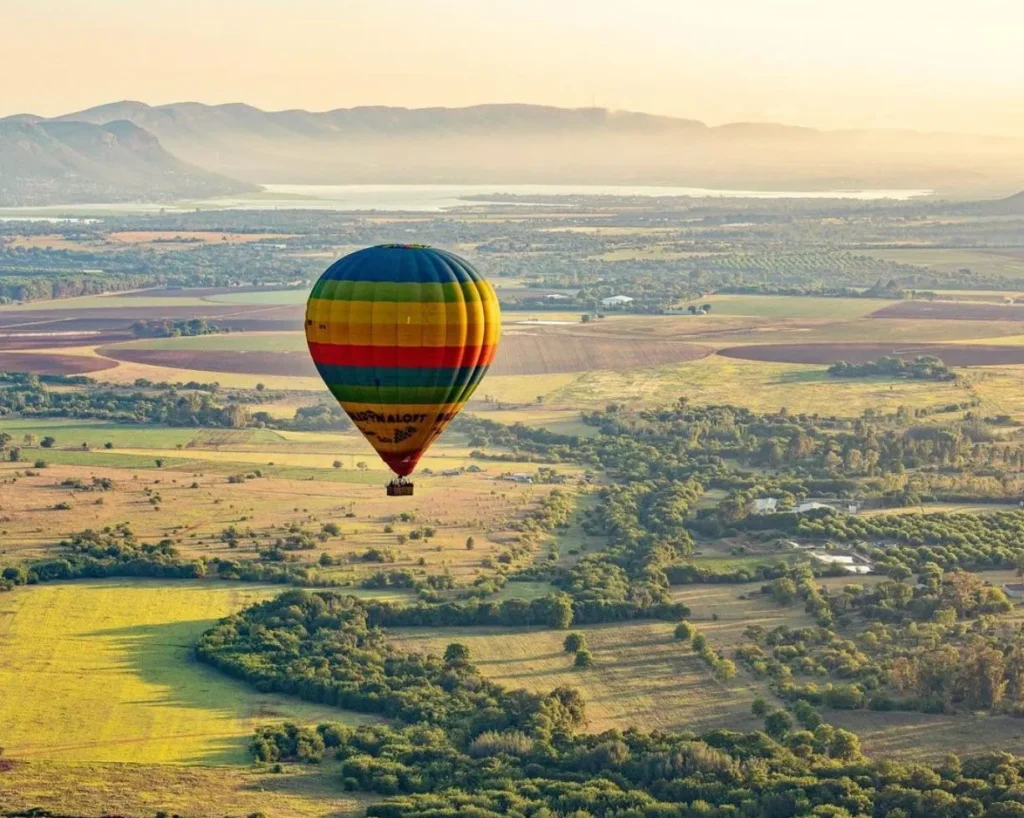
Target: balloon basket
{"type": "Point", "coordinates": [399, 489]}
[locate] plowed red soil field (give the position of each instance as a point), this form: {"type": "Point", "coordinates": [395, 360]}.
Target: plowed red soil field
{"type": "Point", "coordinates": [55, 364]}
{"type": "Point", "coordinates": [952, 311]}
{"type": "Point", "coordinates": [517, 355]}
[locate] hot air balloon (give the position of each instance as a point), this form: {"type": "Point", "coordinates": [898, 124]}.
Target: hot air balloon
{"type": "Point", "coordinates": [402, 334]}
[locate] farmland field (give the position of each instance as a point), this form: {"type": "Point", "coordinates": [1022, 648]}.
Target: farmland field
{"type": "Point", "coordinates": [977, 354]}
{"type": "Point", "coordinates": [100, 672]}
{"type": "Point", "coordinates": [641, 676]}
{"type": "Point", "coordinates": [105, 709]}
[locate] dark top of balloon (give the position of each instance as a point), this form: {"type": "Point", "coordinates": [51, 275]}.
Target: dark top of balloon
{"type": "Point", "coordinates": [412, 263]}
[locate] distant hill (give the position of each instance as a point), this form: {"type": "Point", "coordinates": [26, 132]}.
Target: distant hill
{"type": "Point", "coordinates": [532, 143]}
{"type": "Point", "coordinates": [63, 162]}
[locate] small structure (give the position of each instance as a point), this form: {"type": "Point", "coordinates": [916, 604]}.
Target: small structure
{"type": "Point", "coordinates": [520, 477]}
{"type": "Point", "coordinates": [556, 297]}
{"type": "Point", "coordinates": [616, 301]}
{"type": "Point", "coordinates": [854, 565]}
{"type": "Point", "coordinates": [1014, 590]}
{"type": "Point", "coordinates": [810, 505]}
{"type": "Point", "coordinates": [764, 505]}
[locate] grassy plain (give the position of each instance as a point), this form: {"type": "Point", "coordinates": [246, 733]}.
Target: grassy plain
{"type": "Point", "coordinates": [641, 676]}
{"type": "Point", "coordinates": [101, 671]}
{"type": "Point", "coordinates": [781, 306]}
{"type": "Point", "coordinates": [301, 791]}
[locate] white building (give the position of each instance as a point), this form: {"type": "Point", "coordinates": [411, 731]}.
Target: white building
{"type": "Point", "coordinates": [616, 301]}
{"type": "Point", "coordinates": [764, 505]}
{"type": "Point", "coordinates": [1014, 590]}
{"type": "Point", "coordinates": [810, 505]}
{"type": "Point", "coordinates": [851, 564]}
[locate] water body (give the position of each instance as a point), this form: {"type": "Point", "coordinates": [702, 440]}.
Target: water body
{"type": "Point", "coordinates": [430, 198]}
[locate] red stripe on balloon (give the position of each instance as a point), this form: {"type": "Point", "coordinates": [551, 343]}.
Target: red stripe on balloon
{"type": "Point", "coordinates": [386, 356]}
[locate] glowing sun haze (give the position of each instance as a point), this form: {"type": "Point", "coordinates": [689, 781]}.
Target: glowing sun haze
{"type": "Point", "coordinates": [923, 64]}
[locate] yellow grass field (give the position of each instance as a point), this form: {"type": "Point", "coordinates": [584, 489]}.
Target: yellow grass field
{"type": "Point", "coordinates": [145, 789]}
{"type": "Point", "coordinates": [101, 671]}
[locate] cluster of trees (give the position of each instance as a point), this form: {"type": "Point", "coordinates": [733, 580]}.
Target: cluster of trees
{"type": "Point", "coordinates": [907, 543]}
{"type": "Point", "coordinates": [922, 368]}
{"type": "Point", "coordinates": [191, 404]}
{"type": "Point", "coordinates": [173, 329]}
{"type": "Point", "coordinates": [114, 551]}
{"type": "Point", "coordinates": [326, 647]}
{"type": "Point", "coordinates": [469, 746]}
{"type": "Point", "coordinates": [937, 646]}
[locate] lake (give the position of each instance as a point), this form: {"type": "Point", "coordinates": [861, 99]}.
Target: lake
{"type": "Point", "coordinates": [431, 198]}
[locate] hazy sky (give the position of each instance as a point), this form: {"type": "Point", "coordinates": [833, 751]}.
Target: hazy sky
{"type": "Point", "coordinates": [927, 64]}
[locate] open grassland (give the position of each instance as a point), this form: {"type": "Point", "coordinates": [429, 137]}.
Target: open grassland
{"type": "Point", "coordinates": [193, 509]}
{"type": "Point", "coordinates": [641, 676]}
{"type": "Point", "coordinates": [176, 483]}
{"type": "Point", "coordinates": [760, 386]}
{"type": "Point", "coordinates": [301, 791]}
{"type": "Point", "coordinates": [101, 671]}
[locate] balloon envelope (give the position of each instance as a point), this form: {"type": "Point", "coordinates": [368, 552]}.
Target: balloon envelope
{"type": "Point", "coordinates": [402, 335]}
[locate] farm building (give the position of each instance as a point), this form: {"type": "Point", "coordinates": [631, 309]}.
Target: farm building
{"type": "Point", "coordinates": [810, 505]}
{"type": "Point", "coordinates": [855, 565]}
{"type": "Point", "coordinates": [764, 505]}
{"type": "Point", "coordinates": [616, 301]}
{"type": "Point", "coordinates": [520, 477]}
{"type": "Point", "coordinates": [1014, 590]}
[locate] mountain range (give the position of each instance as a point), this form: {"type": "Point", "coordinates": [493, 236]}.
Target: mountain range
{"type": "Point", "coordinates": [133, 150]}
{"type": "Point", "coordinates": [62, 162]}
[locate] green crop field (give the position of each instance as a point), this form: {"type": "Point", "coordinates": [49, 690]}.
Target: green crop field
{"type": "Point", "coordinates": [100, 671]}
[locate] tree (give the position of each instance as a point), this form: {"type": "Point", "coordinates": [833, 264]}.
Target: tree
{"type": "Point", "coordinates": [699, 642]}
{"type": "Point", "coordinates": [260, 387]}
{"type": "Point", "coordinates": [159, 462]}
{"type": "Point", "coordinates": [47, 442]}
{"type": "Point", "coordinates": [759, 707]}
{"type": "Point", "coordinates": [783, 591]}
{"type": "Point", "coordinates": [362, 466]}
{"type": "Point", "coordinates": [574, 642]}
{"type": "Point", "coordinates": [724, 670]}
{"type": "Point", "coordinates": [336, 464]}
{"type": "Point", "coordinates": [684, 630]}
{"type": "Point", "coordinates": [14, 455]}
{"type": "Point", "coordinates": [456, 654]}
{"type": "Point", "coordinates": [777, 724]}
{"type": "Point", "coordinates": [470, 543]}
{"type": "Point", "coordinates": [845, 745]}
{"type": "Point", "coordinates": [584, 659]}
